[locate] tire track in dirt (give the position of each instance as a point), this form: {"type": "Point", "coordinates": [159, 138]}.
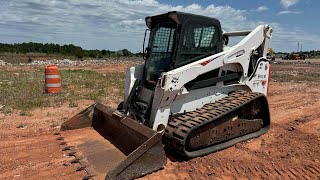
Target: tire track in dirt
{"type": "Point", "coordinates": [237, 171]}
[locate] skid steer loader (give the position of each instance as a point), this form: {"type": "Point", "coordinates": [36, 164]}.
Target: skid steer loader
{"type": "Point", "coordinates": [193, 95]}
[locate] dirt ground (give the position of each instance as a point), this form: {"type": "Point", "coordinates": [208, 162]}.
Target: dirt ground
{"type": "Point", "coordinates": [289, 150]}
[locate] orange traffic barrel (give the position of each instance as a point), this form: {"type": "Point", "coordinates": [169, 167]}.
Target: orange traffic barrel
{"type": "Point", "coordinates": [53, 80]}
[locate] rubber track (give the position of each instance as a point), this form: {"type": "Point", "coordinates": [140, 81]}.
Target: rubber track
{"type": "Point", "coordinates": [181, 126]}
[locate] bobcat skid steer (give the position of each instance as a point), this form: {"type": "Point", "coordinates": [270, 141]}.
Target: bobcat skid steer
{"type": "Point", "coordinates": [194, 95]}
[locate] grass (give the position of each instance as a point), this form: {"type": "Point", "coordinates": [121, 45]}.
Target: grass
{"type": "Point", "coordinates": [24, 90]}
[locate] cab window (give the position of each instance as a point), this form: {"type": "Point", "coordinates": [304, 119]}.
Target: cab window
{"type": "Point", "coordinates": [197, 40]}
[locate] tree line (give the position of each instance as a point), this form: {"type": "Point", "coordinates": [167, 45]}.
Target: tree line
{"type": "Point", "coordinates": [78, 52]}
{"type": "Point", "coordinates": [308, 54]}
{"type": "Point", "coordinates": [56, 49]}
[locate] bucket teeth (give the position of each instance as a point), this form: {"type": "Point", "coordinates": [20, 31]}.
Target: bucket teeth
{"type": "Point", "coordinates": [67, 148]}
{"type": "Point", "coordinates": [91, 173]}
{"type": "Point", "coordinates": [80, 168]}
{"type": "Point", "coordinates": [67, 164]}
{"type": "Point", "coordinates": [72, 153]}
{"type": "Point", "coordinates": [63, 143]}
{"type": "Point", "coordinates": [75, 160]}
{"type": "Point", "coordinates": [127, 155]}
{"type": "Point", "coordinates": [60, 138]}
{"type": "Point", "coordinates": [87, 177]}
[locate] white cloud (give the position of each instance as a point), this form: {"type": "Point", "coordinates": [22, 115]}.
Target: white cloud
{"type": "Point", "coordinates": [287, 3]}
{"type": "Point", "coordinates": [111, 24]}
{"type": "Point", "coordinates": [262, 8]}
{"type": "Point", "coordinates": [288, 12]}
{"type": "Point", "coordinates": [286, 38]}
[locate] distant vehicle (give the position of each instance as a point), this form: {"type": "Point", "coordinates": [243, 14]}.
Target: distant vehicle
{"type": "Point", "coordinates": [294, 56]}
{"type": "Point", "coordinates": [271, 55]}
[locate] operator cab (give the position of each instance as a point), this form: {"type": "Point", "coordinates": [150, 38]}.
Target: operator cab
{"type": "Point", "coordinates": [177, 39]}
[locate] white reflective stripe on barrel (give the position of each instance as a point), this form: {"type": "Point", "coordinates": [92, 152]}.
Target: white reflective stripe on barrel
{"type": "Point", "coordinates": [52, 76]}
{"type": "Point", "coordinates": [53, 85]}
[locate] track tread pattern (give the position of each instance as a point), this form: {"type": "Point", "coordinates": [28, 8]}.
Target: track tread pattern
{"type": "Point", "coordinates": [179, 127]}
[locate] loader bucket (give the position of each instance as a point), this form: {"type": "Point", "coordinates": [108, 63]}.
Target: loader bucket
{"type": "Point", "coordinates": [113, 146]}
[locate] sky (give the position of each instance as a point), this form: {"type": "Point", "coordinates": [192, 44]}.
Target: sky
{"type": "Point", "coordinates": [119, 24]}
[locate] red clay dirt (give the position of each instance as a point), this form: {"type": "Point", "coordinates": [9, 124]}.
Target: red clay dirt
{"type": "Point", "coordinates": [289, 150]}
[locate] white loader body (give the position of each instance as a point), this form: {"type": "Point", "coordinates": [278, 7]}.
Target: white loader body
{"type": "Point", "coordinates": [170, 95]}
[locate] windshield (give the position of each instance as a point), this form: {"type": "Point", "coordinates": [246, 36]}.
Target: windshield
{"type": "Point", "coordinates": [198, 39]}
{"type": "Point", "coordinates": [161, 51]}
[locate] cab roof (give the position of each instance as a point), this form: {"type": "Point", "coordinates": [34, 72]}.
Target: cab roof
{"type": "Point", "coordinates": [181, 18]}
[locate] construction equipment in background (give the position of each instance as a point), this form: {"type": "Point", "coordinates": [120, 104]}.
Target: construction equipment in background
{"type": "Point", "coordinates": [271, 55]}
{"type": "Point", "coordinates": [193, 93]}
{"type": "Point", "coordinates": [294, 56]}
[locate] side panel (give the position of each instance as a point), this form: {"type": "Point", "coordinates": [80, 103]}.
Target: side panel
{"type": "Point", "coordinates": [159, 114]}
{"type": "Point", "coordinates": [132, 74]}
{"type": "Point", "coordinates": [259, 80]}
{"type": "Point", "coordinates": [199, 97]}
